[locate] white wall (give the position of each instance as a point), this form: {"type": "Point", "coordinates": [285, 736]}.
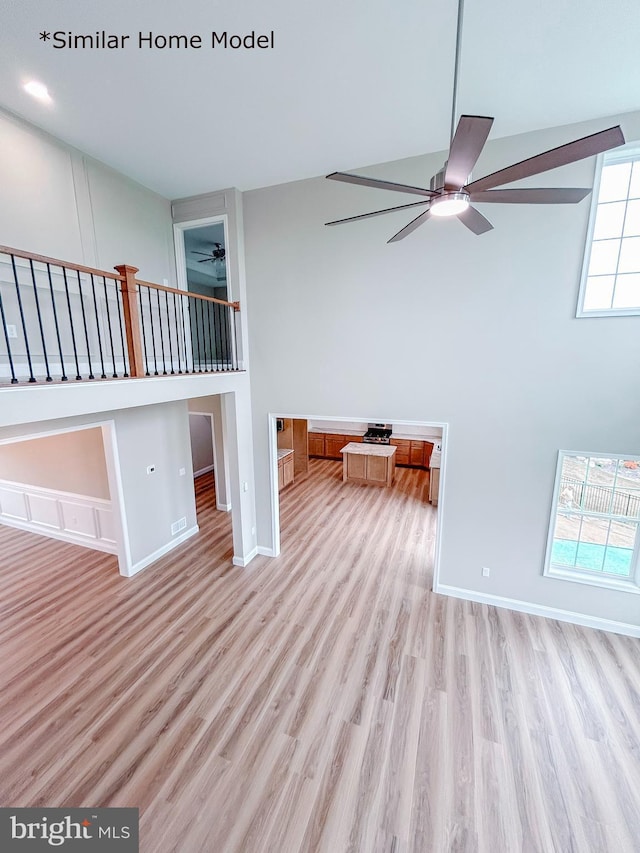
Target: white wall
{"type": "Point", "coordinates": [446, 326]}
{"type": "Point", "coordinates": [57, 201]}
{"type": "Point", "coordinates": [201, 443]}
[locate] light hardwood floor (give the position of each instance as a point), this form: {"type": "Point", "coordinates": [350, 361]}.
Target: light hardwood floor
{"type": "Point", "coordinates": [323, 701]}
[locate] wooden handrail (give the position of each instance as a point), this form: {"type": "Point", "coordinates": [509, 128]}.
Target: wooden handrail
{"type": "Point", "coordinates": [136, 348]}
{"type": "Point", "coordinates": [30, 256]}
{"type": "Point", "coordinates": [234, 305]}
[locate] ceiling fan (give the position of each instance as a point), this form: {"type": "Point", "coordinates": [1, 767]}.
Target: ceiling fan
{"type": "Point", "coordinates": [451, 193]}
{"type": "Point", "coordinates": [217, 254]}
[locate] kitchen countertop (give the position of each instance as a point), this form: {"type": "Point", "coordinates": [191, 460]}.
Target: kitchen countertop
{"type": "Point", "coordinates": [282, 452]}
{"type": "Point", "coordinates": [369, 449]}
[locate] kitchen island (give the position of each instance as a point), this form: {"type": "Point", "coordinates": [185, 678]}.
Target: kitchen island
{"type": "Point", "coordinates": [368, 463]}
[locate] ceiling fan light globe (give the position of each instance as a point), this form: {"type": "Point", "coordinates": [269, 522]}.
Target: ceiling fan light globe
{"type": "Point", "coordinates": [449, 204]}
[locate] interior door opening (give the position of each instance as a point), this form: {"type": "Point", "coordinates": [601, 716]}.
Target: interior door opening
{"type": "Point", "coordinates": [202, 265]}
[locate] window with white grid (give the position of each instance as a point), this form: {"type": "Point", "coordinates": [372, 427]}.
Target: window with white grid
{"type": "Point", "coordinates": [593, 535]}
{"type": "Point", "coordinates": [611, 273]}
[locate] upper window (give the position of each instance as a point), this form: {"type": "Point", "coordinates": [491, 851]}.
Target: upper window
{"type": "Point", "coordinates": [611, 273]}
{"type": "Point", "coordinates": [593, 537]}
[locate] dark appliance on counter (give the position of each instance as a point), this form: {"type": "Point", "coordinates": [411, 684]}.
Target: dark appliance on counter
{"type": "Point", "coordinates": [279, 424]}
{"type": "Point", "coordinates": [378, 434]}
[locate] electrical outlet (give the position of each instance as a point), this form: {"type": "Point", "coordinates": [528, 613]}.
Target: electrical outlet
{"type": "Point", "coordinates": [12, 331]}
{"type": "Point", "coordinates": [486, 572]}
{"type": "Point", "coordinates": [182, 472]}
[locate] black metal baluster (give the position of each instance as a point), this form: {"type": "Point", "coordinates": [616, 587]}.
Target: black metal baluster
{"type": "Point", "coordinates": [32, 378]}
{"type": "Point", "coordinates": [6, 337]}
{"type": "Point", "coordinates": [198, 347]}
{"type": "Point", "coordinates": [164, 365]}
{"type": "Point", "coordinates": [153, 335]}
{"type": "Point", "coordinates": [223, 338]}
{"type": "Point", "coordinates": [64, 376]}
{"type": "Point", "coordinates": [106, 307]}
{"type": "Point", "coordinates": [166, 305]}
{"type": "Point", "coordinates": [73, 334]}
{"type": "Point", "coordinates": [211, 342]}
{"type": "Point", "coordinates": [124, 349]}
{"type": "Point", "coordinates": [224, 314]}
{"type": "Point", "coordinates": [84, 323]}
{"type": "Point", "coordinates": [177, 327]}
{"type": "Point", "coordinates": [103, 375]}
{"type": "Point", "coordinates": [144, 336]}
{"type": "Point", "coordinates": [44, 343]}
{"type": "Point", "coordinates": [204, 339]}
{"type": "Point", "coordinates": [231, 314]}
{"type": "Point", "coordinates": [188, 333]}
{"type": "Point", "coordinates": [216, 328]}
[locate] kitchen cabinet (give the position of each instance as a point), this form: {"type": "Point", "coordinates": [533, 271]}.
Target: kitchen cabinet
{"type": "Point", "coordinates": [434, 485]}
{"type": "Point", "coordinates": [328, 445]}
{"type": "Point", "coordinates": [412, 453]}
{"type": "Point", "coordinates": [286, 468]}
{"type": "Point", "coordinates": [334, 444]}
{"type": "Point", "coordinates": [316, 444]}
{"type": "Point", "coordinates": [416, 454]}
{"type": "Point", "coordinates": [428, 450]}
{"type": "Point", "coordinates": [403, 448]}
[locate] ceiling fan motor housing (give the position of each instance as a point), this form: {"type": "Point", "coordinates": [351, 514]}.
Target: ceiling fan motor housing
{"type": "Point", "coordinates": [437, 181]}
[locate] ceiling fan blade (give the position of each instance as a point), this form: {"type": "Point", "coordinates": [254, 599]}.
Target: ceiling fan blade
{"type": "Point", "coordinates": [208, 254]}
{"type": "Point", "coordinates": [475, 221]}
{"type": "Point", "coordinates": [596, 143]}
{"type": "Point", "coordinates": [380, 185]}
{"type": "Point", "coordinates": [466, 145]}
{"type": "Point", "coordinates": [205, 260]}
{"type": "Point", "coordinates": [534, 195]}
{"type": "Point", "coordinates": [411, 227]}
{"type": "Point", "coordinates": [377, 212]}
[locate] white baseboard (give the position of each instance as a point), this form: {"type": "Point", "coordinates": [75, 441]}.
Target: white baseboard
{"type": "Point", "coordinates": [202, 471]}
{"type": "Point", "coordinates": [266, 552]}
{"type": "Point", "coordinates": [540, 610]}
{"type": "Point", "coordinates": [223, 507]}
{"type": "Point", "coordinates": [61, 535]}
{"type": "Point", "coordinates": [244, 561]}
{"type": "Point", "coordinates": [151, 558]}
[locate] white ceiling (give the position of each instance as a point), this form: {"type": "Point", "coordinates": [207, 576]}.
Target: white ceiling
{"type": "Point", "coordinates": [348, 83]}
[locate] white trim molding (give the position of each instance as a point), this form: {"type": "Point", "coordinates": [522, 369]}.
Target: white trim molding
{"type": "Point", "coordinates": [244, 561]}
{"type": "Point", "coordinates": [78, 519]}
{"type": "Point", "coordinates": [540, 610]}
{"type": "Point", "coordinates": [160, 552]}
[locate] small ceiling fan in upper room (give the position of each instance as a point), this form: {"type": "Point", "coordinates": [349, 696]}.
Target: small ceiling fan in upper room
{"type": "Point", "coordinates": [216, 257]}
{"type": "Point", "coordinates": [451, 193]}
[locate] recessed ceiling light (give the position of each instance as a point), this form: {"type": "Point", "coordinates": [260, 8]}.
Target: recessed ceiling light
{"type": "Point", "coordinates": [38, 91]}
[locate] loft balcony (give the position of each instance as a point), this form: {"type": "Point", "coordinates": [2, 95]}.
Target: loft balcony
{"type": "Point", "coordinates": [62, 322]}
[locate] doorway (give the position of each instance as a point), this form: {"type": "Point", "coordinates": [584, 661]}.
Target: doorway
{"type": "Point", "coordinates": [202, 268]}
{"type": "Point", "coordinates": [419, 447]}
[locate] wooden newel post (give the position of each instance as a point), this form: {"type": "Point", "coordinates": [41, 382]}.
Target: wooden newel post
{"type": "Point", "coordinates": [131, 309]}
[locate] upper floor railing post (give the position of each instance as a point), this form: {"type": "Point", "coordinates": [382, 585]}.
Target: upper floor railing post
{"type": "Point", "coordinates": [131, 310]}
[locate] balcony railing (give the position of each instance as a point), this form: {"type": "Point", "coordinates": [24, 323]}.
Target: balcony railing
{"type": "Point", "coordinates": [62, 321]}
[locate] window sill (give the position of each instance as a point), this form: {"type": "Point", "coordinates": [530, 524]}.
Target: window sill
{"type": "Point", "coordinates": [609, 312]}
{"type": "Point", "coordinates": [589, 578]}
